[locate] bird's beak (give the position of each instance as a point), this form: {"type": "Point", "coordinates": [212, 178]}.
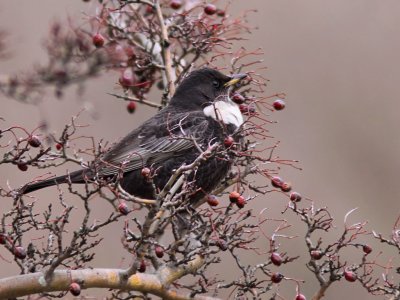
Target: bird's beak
{"type": "Point", "coordinates": [235, 78]}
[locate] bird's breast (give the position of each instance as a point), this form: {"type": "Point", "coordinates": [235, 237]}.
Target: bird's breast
{"type": "Point", "coordinates": [224, 111]}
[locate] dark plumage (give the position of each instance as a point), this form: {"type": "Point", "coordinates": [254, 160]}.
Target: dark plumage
{"type": "Point", "coordinates": [200, 110]}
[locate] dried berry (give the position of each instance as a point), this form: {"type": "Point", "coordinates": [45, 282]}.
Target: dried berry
{"type": "Point", "coordinates": [98, 40]}
{"type": "Point", "coordinates": [123, 208]}
{"type": "Point", "coordinates": [229, 141]}
{"type": "Point", "coordinates": [276, 277]}
{"type": "Point", "coordinates": [34, 141]}
{"type": "Point", "coordinates": [220, 13]}
{"type": "Point", "coordinates": [22, 165]}
{"type": "Point", "coordinates": [276, 259]}
{"type": "Point", "coordinates": [279, 104]}
{"type": "Point", "coordinates": [127, 78]}
{"type": "Point", "coordinates": [212, 200]}
{"type": "Point", "coordinates": [295, 197]}
{"type": "Point", "coordinates": [240, 202]}
{"type": "Point", "coordinates": [142, 266]}
{"type": "Point", "coordinates": [19, 252]}
{"type": "Point", "coordinates": [59, 146]}
{"type": "Point", "coordinates": [234, 196]}
{"type": "Point", "coordinates": [145, 172]}
{"type": "Point", "coordinates": [238, 98]}
{"type": "Point", "coordinates": [350, 276]}
{"type": "Point", "coordinates": [75, 289]}
{"type": "Point", "coordinates": [316, 254]}
{"type": "Point", "coordinates": [367, 249]}
{"type": "Point", "coordinates": [222, 244]}
{"type": "Point", "coordinates": [131, 107]}
{"type": "Point", "coordinates": [300, 297]}
{"type": "Point", "coordinates": [210, 9]}
{"type": "Point", "coordinates": [276, 181]}
{"type": "Point", "coordinates": [286, 186]}
{"type": "Point", "coordinates": [159, 251]}
{"type": "Point", "coordinates": [175, 4]}
{"type": "Point", "coordinates": [3, 238]}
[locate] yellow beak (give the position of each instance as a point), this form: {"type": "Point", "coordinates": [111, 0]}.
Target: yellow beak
{"type": "Point", "coordinates": [235, 78]}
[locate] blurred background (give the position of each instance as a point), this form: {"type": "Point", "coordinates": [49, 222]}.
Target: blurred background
{"type": "Point", "coordinates": [337, 61]}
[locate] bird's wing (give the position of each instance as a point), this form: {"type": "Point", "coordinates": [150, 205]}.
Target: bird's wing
{"type": "Point", "coordinates": [163, 136]}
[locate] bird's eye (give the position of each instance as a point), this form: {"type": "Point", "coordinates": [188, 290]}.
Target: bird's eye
{"type": "Point", "coordinates": [215, 83]}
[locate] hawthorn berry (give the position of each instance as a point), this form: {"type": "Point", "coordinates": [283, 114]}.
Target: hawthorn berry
{"type": "Point", "coordinates": [98, 40]}
{"type": "Point", "coordinates": [240, 202]}
{"type": "Point", "coordinates": [276, 181]}
{"type": "Point", "coordinates": [247, 109]}
{"type": "Point", "coordinates": [234, 196]}
{"type": "Point", "coordinates": [295, 197]}
{"type": "Point", "coordinates": [127, 78]}
{"type": "Point", "coordinates": [316, 254]}
{"type": "Point", "coordinates": [212, 200]}
{"type": "Point", "coordinates": [131, 107]}
{"type": "Point", "coordinates": [276, 277]}
{"type": "Point", "coordinates": [142, 266]}
{"type": "Point", "coordinates": [276, 259]}
{"type": "Point", "coordinates": [19, 252]}
{"type": "Point", "coordinates": [210, 9]}
{"type": "Point", "coordinates": [59, 146]}
{"type": "Point", "coordinates": [22, 165]}
{"type": "Point", "coordinates": [222, 244]}
{"type": "Point", "coordinates": [238, 98]}
{"type": "Point", "coordinates": [159, 251]}
{"type": "Point", "coordinates": [75, 289]}
{"type": "Point", "coordinates": [175, 4]}
{"type": "Point", "coordinates": [34, 141]}
{"type": "Point", "coordinates": [286, 186]}
{"type": "Point", "coordinates": [300, 297]}
{"type": "Point", "coordinates": [220, 12]}
{"type": "Point", "coordinates": [367, 249]}
{"type": "Point", "coordinates": [3, 238]}
{"type": "Point", "coordinates": [123, 208]}
{"type": "Point", "coordinates": [145, 172]}
{"type": "Point", "coordinates": [279, 104]}
{"type": "Point", "coordinates": [229, 141]}
{"type": "Point", "coordinates": [350, 276]}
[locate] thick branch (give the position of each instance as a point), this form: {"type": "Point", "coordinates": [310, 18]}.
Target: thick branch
{"type": "Point", "coordinates": [156, 284]}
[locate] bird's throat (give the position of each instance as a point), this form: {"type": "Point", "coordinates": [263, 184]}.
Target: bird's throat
{"type": "Point", "coordinates": [224, 111]}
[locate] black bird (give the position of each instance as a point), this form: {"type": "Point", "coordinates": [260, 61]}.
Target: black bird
{"type": "Point", "coordinates": [199, 111]}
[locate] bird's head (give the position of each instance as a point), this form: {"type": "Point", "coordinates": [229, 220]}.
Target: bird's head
{"type": "Point", "coordinates": [203, 87]}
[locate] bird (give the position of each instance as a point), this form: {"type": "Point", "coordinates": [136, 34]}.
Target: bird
{"type": "Point", "coordinates": [199, 114]}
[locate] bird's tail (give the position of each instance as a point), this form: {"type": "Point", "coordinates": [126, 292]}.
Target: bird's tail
{"type": "Point", "coordinates": [74, 177]}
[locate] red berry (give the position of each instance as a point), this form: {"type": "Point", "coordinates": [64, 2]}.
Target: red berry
{"type": "Point", "coordinates": [220, 13]}
{"type": "Point", "coordinates": [3, 238]}
{"type": "Point", "coordinates": [131, 107]}
{"type": "Point", "coordinates": [240, 202]}
{"type": "Point", "coordinates": [300, 297]}
{"type": "Point", "coordinates": [247, 109]}
{"type": "Point", "coordinates": [149, 9]}
{"type": "Point", "coordinates": [238, 98]}
{"type": "Point", "coordinates": [34, 141]}
{"type": "Point", "coordinates": [98, 40]}
{"type": "Point", "coordinates": [212, 200]}
{"type": "Point", "coordinates": [210, 9]}
{"type": "Point", "coordinates": [142, 266]}
{"type": "Point", "coordinates": [276, 181]}
{"type": "Point", "coordinates": [276, 259]}
{"type": "Point", "coordinates": [159, 251]}
{"type": "Point", "coordinates": [123, 208]}
{"type": "Point", "coordinates": [222, 244]}
{"type": "Point", "coordinates": [350, 276]}
{"type": "Point", "coordinates": [234, 196]}
{"type": "Point", "coordinates": [59, 146]}
{"type": "Point", "coordinates": [229, 141]}
{"type": "Point", "coordinates": [145, 172]}
{"type": "Point", "coordinates": [19, 252]}
{"type": "Point", "coordinates": [286, 186]}
{"type": "Point", "coordinates": [75, 289]}
{"type": "Point", "coordinates": [316, 254]}
{"type": "Point", "coordinates": [367, 249]}
{"type": "Point", "coordinates": [279, 104]}
{"type": "Point", "coordinates": [175, 4]}
{"type": "Point", "coordinates": [127, 78]}
{"type": "Point", "coordinates": [22, 165]}
{"type": "Point", "coordinates": [295, 197]}
{"type": "Point", "coordinates": [276, 277]}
